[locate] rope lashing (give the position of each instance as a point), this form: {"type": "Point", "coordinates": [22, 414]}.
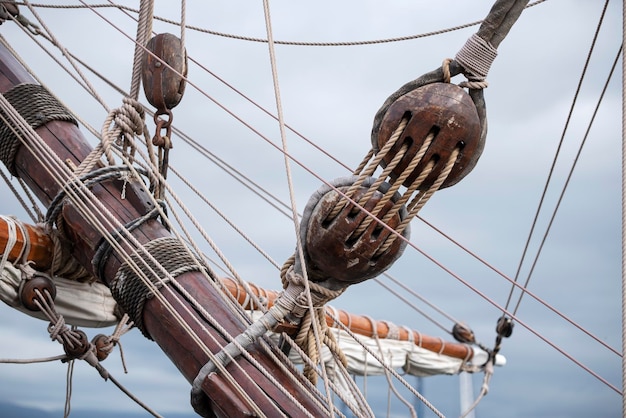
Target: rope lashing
{"type": "Point", "coordinates": [38, 107]}
{"type": "Point", "coordinates": [131, 291]}
{"type": "Point", "coordinates": [63, 264]}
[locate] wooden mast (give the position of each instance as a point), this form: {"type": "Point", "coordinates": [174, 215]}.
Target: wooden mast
{"type": "Point", "coordinates": [65, 139]}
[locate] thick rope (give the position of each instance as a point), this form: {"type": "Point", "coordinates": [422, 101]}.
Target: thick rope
{"type": "Point", "coordinates": [38, 107]}
{"type": "Point", "coordinates": [623, 208]}
{"type": "Point", "coordinates": [144, 30]}
{"type": "Point", "coordinates": [277, 42]}
{"type": "Point", "coordinates": [296, 296]}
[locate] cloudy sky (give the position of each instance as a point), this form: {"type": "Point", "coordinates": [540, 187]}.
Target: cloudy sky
{"type": "Point", "coordinates": [330, 95]}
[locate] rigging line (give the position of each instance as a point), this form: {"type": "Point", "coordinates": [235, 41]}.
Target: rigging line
{"type": "Point", "coordinates": [33, 360]}
{"type": "Point", "coordinates": [392, 371]}
{"type": "Point", "coordinates": [277, 42]}
{"type": "Point", "coordinates": [569, 176]}
{"type": "Point", "coordinates": [541, 301]}
{"type": "Point", "coordinates": [62, 49]}
{"type": "Point", "coordinates": [9, 184]}
{"type": "Point", "coordinates": [80, 204]}
{"type": "Point", "coordinates": [258, 106]}
{"type": "Point", "coordinates": [132, 396]}
{"type": "Point", "coordinates": [524, 289]}
{"type": "Point", "coordinates": [413, 306]}
{"type": "Point", "coordinates": [97, 134]}
{"type": "Point", "coordinates": [558, 151]}
{"type": "Point", "coordinates": [517, 319]}
{"type": "Point", "coordinates": [85, 87]}
{"type": "Point", "coordinates": [623, 204]}
{"type": "Point", "coordinates": [114, 244]}
{"type": "Point", "coordinates": [390, 385]}
{"type": "Point", "coordinates": [296, 222]}
{"type": "Point", "coordinates": [144, 29]}
{"type": "Point", "coordinates": [227, 220]}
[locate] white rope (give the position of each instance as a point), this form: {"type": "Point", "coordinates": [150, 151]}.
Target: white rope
{"type": "Point", "coordinates": [281, 123]}
{"type": "Point", "coordinates": [144, 30]}
{"type": "Point", "coordinates": [11, 240]}
{"type": "Point", "coordinates": [623, 207]}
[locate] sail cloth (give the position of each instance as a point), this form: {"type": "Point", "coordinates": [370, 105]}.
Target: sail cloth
{"type": "Point", "coordinates": [91, 305]}
{"type": "Point", "coordinates": [405, 355]}
{"type": "Point", "coordinates": [82, 304]}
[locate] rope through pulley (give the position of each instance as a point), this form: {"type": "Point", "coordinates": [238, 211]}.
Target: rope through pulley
{"type": "Point", "coordinates": [427, 135]}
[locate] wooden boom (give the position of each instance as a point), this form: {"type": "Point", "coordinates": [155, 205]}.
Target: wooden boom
{"type": "Point", "coordinates": [254, 391]}
{"type": "Point", "coordinates": [40, 253]}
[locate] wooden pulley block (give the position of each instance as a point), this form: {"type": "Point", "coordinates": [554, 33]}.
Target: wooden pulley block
{"type": "Point", "coordinates": [447, 113]}
{"type": "Point", "coordinates": [79, 348]}
{"type": "Point", "coordinates": [28, 289]}
{"type": "Point", "coordinates": [164, 87]}
{"type": "Point", "coordinates": [102, 343]}
{"type": "Point", "coordinates": [334, 250]}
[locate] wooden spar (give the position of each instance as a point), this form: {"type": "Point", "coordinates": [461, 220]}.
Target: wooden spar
{"type": "Point", "coordinates": [358, 324]}
{"type": "Point", "coordinates": [37, 242]}
{"type": "Point", "coordinates": [185, 351]}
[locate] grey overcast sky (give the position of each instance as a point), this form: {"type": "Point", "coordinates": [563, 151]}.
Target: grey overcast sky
{"type": "Point", "coordinates": [330, 95]}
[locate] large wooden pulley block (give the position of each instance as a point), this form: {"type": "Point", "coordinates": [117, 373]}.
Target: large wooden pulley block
{"type": "Point", "coordinates": [164, 86]}
{"type": "Point", "coordinates": [447, 113]}
{"type": "Point", "coordinates": [335, 249]}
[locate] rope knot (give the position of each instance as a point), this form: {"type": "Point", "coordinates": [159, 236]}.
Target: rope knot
{"type": "Point", "coordinates": [121, 126]}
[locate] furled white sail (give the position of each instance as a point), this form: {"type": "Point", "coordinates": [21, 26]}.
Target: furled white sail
{"type": "Point", "coordinates": [81, 304]}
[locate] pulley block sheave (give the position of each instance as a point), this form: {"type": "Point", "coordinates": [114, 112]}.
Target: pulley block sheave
{"type": "Point", "coordinates": [444, 114]}
{"type": "Point", "coordinates": [164, 71]}
{"type": "Point", "coordinates": [342, 247]}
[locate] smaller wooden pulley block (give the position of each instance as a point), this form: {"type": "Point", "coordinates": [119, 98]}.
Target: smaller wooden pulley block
{"type": "Point", "coordinates": [38, 284]}
{"type": "Point", "coordinates": [164, 86]}
{"type": "Point", "coordinates": [447, 114]}
{"type": "Point", "coordinates": [77, 349]}
{"type": "Point", "coordinates": [103, 346]}
{"type": "Point", "coordinates": [335, 248]}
